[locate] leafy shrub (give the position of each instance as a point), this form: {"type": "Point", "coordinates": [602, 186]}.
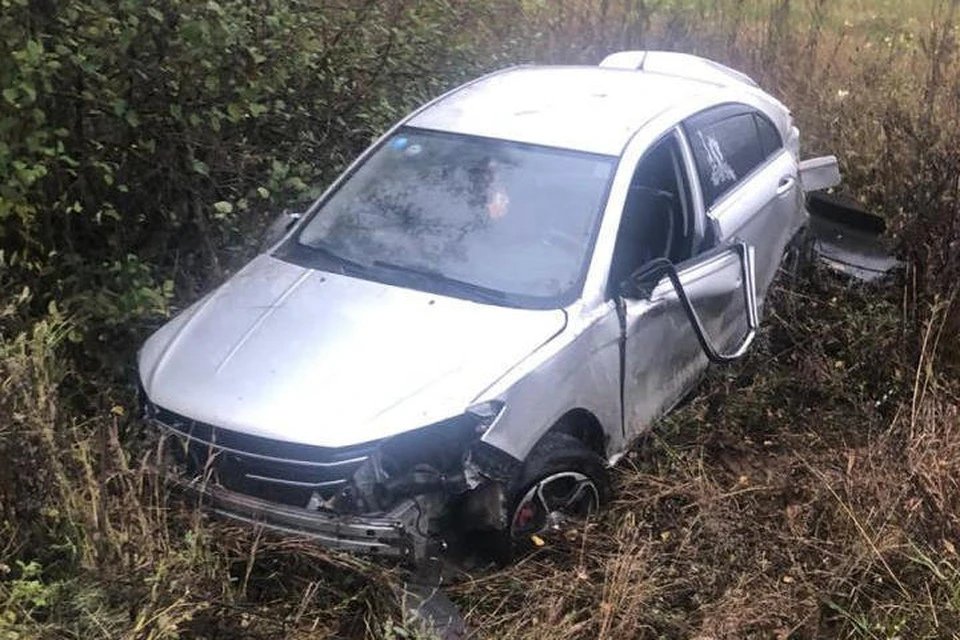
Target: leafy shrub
{"type": "Point", "coordinates": [147, 142]}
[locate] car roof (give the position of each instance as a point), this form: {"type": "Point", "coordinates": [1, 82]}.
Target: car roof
{"type": "Point", "coordinates": [592, 109]}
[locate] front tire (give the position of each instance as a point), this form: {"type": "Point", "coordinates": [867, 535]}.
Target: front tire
{"type": "Point", "coordinates": [562, 482]}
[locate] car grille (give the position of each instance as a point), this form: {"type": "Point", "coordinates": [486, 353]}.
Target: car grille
{"type": "Point", "coordinates": [283, 472]}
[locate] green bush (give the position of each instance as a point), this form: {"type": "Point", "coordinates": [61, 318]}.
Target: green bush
{"type": "Point", "coordinates": [147, 142]}
{"type": "Point", "coordinates": [143, 145]}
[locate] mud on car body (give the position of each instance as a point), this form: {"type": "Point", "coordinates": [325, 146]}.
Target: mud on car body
{"type": "Point", "coordinates": [489, 306]}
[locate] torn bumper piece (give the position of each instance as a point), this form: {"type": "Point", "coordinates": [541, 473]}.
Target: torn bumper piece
{"type": "Point", "coordinates": [847, 237]}
{"type": "Point", "coordinates": [392, 535]}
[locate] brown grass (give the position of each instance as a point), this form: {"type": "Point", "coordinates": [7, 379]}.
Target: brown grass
{"type": "Point", "coordinates": [827, 515]}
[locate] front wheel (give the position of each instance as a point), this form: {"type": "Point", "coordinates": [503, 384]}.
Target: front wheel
{"type": "Point", "coordinates": [554, 502]}
{"type": "Point", "coordinates": [562, 483]}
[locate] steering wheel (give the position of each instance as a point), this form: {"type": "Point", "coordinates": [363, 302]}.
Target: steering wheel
{"type": "Point", "coordinates": [661, 220]}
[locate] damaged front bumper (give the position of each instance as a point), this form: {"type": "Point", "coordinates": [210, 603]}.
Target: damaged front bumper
{"type": "Point", "coordinates": [394, 534]}
{"type": "Point", "coordinates": [408, 497]}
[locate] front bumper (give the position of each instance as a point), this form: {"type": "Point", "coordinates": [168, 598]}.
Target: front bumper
{"type": "Point", "coordinates": [394, 534]}
{"type": "Point", "coordinates": [292, 489]}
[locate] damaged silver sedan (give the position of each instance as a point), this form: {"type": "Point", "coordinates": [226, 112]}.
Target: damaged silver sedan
{"type": "Point", "coordinates": [456, 341]}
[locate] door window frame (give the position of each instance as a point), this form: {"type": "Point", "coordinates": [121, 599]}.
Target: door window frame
{"type": "Point", "coordinates": [722, 112]}
{"type": "Point", "coordinates": [690, 190]}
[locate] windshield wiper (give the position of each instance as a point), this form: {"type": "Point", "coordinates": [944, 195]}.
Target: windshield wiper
{"type": "Point", "coordinates": [437, 277]}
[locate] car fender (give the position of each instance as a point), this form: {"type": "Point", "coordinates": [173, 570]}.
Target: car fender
{"type": "Point", "coordinates": [578, 369]}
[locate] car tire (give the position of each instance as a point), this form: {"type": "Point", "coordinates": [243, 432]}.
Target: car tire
{"type": "Point", "coordinates": [560, 466]}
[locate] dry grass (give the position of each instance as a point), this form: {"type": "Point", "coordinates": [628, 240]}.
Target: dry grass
{"type": "Point", "coordinates": [808, 492]}
{"type": "Point", "coordinates": [790, 498]}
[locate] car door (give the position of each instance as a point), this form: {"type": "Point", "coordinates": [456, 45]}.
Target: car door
{"type": "Point", "coordinates": [749, 182]}
{"type": "Point", "coordinates": [659, 280]}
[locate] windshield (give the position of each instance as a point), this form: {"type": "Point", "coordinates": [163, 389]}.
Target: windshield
{"type": "Point", "coordinates": [513, 219]}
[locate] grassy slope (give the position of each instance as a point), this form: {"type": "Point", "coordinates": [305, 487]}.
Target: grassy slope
{"type": "Point", "coordinates": [806, 492]}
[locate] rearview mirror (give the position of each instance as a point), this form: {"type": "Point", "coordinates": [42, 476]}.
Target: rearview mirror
{"type": "Point", "coordinates": [278, 229]}
{"type": "Point", "coordinates": [647, 281]}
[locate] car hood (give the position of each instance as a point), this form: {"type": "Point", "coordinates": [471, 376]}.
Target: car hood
{"type": "Point", "coordinates": [291, 353]}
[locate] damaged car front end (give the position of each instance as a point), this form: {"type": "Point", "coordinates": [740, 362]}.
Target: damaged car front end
{"type": "Point", "coordinates": [407, 496]}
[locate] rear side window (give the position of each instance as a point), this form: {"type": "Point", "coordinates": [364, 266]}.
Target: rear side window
{"type": "Point", "coordinates": [770, 138]}
{"type": "Point", "coordinates": [727, 145]}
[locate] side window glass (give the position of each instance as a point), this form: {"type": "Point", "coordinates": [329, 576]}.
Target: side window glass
{"type": "Point", "coordinates": [657, 216]}
{"type": "Point", "coordinates": [770, 139]}
{"type": "Point", "coordinates": [726, 146]}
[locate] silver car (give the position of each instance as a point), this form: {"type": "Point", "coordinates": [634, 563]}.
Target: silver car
{"type": "Point", "coordinates": [477, 319]}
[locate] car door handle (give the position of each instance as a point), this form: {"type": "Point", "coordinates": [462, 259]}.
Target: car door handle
{"type": "Point", "coordinates": [786, 185]}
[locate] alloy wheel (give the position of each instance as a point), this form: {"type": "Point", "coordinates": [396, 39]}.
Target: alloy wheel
{"type": "Point", "coordinates": [553, 502]}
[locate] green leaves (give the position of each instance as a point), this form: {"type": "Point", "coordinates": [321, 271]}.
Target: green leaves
{"type": "Point", "coordinates": [167, 131]}
{"type": "Point", "coordinates": [234, 111]}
